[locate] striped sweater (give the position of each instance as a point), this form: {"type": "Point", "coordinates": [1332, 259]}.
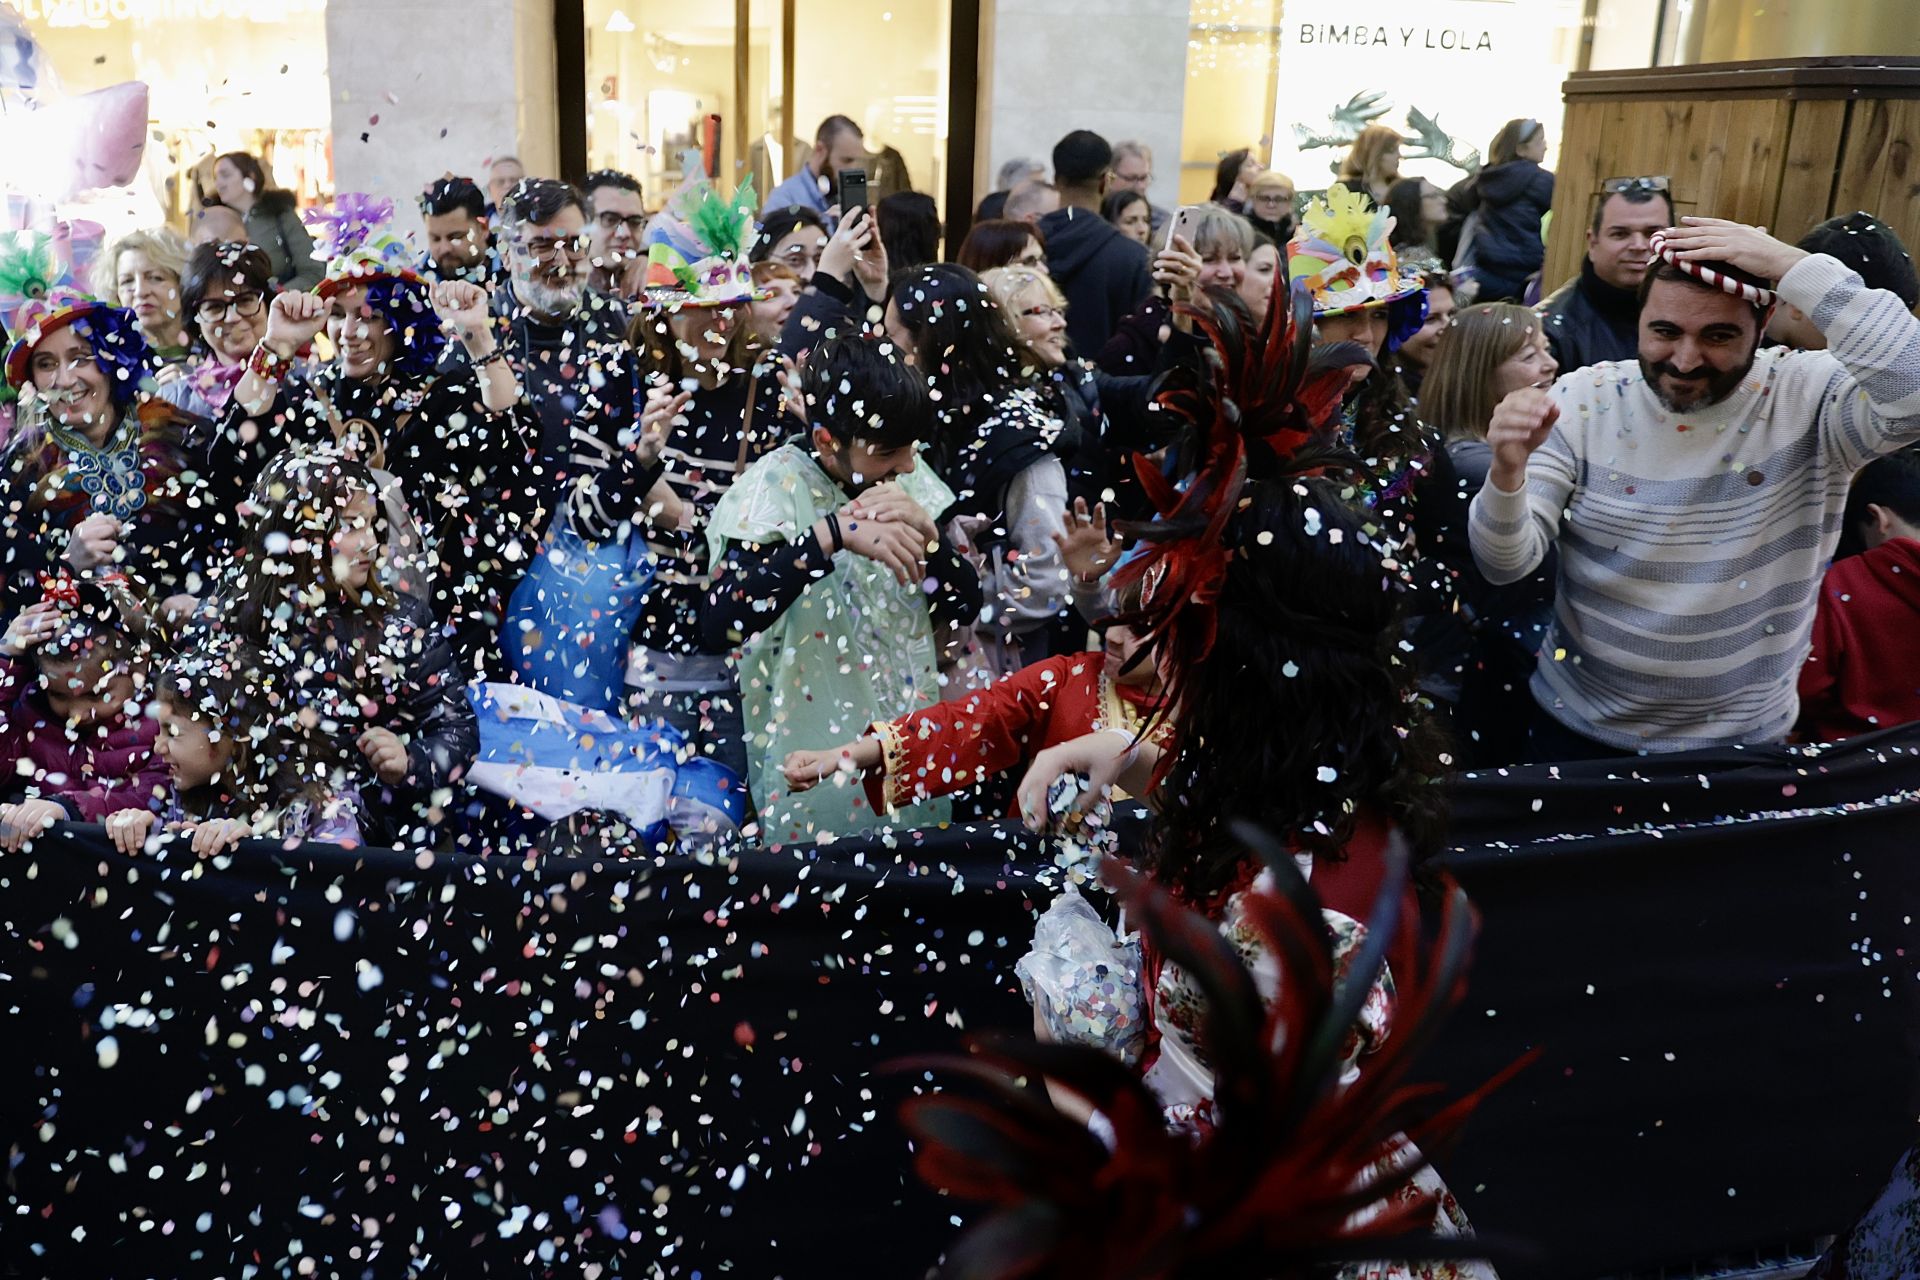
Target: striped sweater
{"type": "Point", "coordinates": [1692, 544]}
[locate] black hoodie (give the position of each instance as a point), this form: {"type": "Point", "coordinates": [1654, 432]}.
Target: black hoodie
{"type": "Point", "coordinates": [1103, 274]}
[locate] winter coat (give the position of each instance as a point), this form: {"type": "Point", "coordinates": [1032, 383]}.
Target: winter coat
{"type": "Point", "coordinates": [1864, 671]}
{"type": "Point", "coordinates": [1103, 274]}
{"type": "Point", "coordinates": [274, 225]}
{"type": "Point", "coordinates": [1513, 198]}
{"type": "Point", "coordinates": [90, 770]}
{"type": "Point", "coordinates": [1588, 321]}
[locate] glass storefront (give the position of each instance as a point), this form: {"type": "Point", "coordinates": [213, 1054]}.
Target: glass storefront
{"type": "Point", "coordinates": [1272, 75]}
{"type": "Point", "coordinates": [666, 76]}
{"type": "Point", "coordinates": [222, 75]}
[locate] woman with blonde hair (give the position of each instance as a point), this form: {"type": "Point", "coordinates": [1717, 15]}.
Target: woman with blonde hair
{"type": "Point", "coordinates": [1373, 162]}
{"type": "Point", "coordinates": [141, 271]}
{"type": "Point", "coordinates": [1487, 353]}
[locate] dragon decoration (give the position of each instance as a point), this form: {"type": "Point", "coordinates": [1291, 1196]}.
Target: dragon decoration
{"type": "Point", "coordinates": [1428, 141]}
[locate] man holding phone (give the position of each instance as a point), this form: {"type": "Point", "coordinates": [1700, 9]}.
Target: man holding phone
{"type": "Point", "coordinates": [837, 145]}
{"type": "Point", "coordinates": [1103, 273]}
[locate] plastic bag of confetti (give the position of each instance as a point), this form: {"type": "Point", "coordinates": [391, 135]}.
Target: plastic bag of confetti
{"type": "Point", "coordinates": [1083, 981]}
{"type": "Point", "coordinates": [566, 628]}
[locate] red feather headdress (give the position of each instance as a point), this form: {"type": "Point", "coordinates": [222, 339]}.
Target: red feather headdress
{"type": "Point", "coordinates": [1266, 403]}
{"type": "Point", "coordinates": [1296, 1170]}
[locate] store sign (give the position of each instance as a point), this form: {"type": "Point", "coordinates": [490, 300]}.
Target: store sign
{"type": "Point", "coordinates": [1445, 73]}
{"type": "Point", "coordinates": [100, 13]}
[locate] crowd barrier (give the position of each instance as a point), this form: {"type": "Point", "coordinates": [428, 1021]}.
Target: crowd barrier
{"type": "Point", "coordinates": [363, 1062]}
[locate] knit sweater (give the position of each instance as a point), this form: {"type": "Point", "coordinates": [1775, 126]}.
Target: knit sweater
{"type": "Point", "coordinates": [1692, 544]}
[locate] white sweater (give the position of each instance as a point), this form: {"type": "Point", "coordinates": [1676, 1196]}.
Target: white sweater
{"type": "Point", "coordinates": [1692, 544]}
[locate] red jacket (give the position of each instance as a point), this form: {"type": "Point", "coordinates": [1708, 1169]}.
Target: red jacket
{"type": "Point", "coordinates": [101, 769]}
{"type": "Point", "coordinates": [1864, 671]}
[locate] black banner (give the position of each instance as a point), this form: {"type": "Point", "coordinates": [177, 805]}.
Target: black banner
{"type": "Point", "coordinates": [370, 1064]}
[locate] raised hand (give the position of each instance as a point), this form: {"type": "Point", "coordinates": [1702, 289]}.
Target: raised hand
{"type": "Point", "coordinates": [95, 541]}
{"type": "Point", "coordinates": [855, 247]}
{"type": "Point", "coordinates": [1749, 248]}
{"type": "Point", "coordinates": [1521, 423]}
{"type": "Point", "coordinates": [1177, 269]}
{"type": "Point", "coordinates": [292, 321]}
{"type": "Point", "coordinates": [658, 416]}
{"type": "Point", "coordinates": [1087, 548]}
{"type": "Point", "coordinates": [462, 307]}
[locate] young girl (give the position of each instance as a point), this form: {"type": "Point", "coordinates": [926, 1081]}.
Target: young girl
{"type": "Point", "coordinates": [368, 721]}
{"type": "Point", "coordinates": [73, 743]}
{"type": "Point", "coordinates": [208, 739]}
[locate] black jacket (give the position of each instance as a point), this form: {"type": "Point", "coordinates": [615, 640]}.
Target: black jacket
{"type": "Point", "coordinates": [1589, 321]}
{"type": "Point", "coordinates": [1103, 274]}
{"type": "Point", "coordinates": [1512, 200]}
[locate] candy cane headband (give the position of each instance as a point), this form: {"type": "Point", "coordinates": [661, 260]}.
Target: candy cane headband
{"type": "Point", "coordinates": [1762, 298]}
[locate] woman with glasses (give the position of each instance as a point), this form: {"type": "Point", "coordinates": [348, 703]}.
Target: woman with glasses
{"type": "Point", "coordinates": [141, 271]}
{"type": "Point", "coordinates": [224, 294]}
{"type": "Point", "coordinates": [1503, 245]}
{"type": "Point", "coordinates": [1107, 418]}
{"type": "Point", "coordinates": [999, 446]}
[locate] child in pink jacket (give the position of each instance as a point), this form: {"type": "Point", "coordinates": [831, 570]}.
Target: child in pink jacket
{"type": "Point", "coordinates": [75, 742]}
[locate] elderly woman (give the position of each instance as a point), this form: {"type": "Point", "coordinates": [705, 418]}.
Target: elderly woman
{"type": "Point", "coordinates": [224, 294]}
{"type": "Point", "coordinates": [141, 271]}
{"type": "Point", "coordinates": [450, 438]}
{"type": "Point", "coordinates": [98, 473]}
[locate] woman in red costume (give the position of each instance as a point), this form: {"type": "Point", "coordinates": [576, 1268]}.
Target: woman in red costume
{"type": "Point", "coordinates": [1273, 601]}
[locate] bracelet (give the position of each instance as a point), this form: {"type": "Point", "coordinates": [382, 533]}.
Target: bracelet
{"type": "Point", "coordinates": [498, 353]}
{"type": "Point", "coordinates": [833, 527]}
{"type": "Point", "coordinates": [265, 363]}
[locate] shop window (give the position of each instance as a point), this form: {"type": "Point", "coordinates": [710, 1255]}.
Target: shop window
{"type": "Point", "coordinates": [667, 76]}
{"type": "Point", "coordinates": [222, 75]}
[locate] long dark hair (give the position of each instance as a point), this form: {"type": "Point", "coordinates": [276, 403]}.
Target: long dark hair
{"type": "Point", "coordinates": [1410, 227]}
{"type": "Point", "coordinates": [909, 228]}
{"type": "Point", "coordinates": [286, 555]}
{"type": "Point", "coordinates": [1227, 175]}
{"type": "Point", "coordinates": [1303, 718]}
{"type": "Point", "coordinates": [962, 340]}
{"type": "Point", "coordinates": [218, 682]}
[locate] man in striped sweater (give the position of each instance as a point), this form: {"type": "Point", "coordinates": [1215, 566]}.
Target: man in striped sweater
{"type": "Point", "coordinates": [1696, 494]}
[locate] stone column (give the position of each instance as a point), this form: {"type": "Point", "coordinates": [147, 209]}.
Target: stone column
{"type": "Point", "coordinates": [1047, 67]}
{"type": "Point", "coordinates": [423, 87]}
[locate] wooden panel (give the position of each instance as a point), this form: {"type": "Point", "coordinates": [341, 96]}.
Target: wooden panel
{"type": "Point", "coordinates": [1785, 162]}
{"type": "Point", "coordinates": [1861, 162]}
{"type": "Point", "coordinates": [1806, 182]}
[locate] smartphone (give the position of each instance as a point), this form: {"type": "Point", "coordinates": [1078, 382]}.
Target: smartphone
{"type": "Point", "coordinates": [853, 190]}
{"type": "Point", "coordinates": [1182, 224]}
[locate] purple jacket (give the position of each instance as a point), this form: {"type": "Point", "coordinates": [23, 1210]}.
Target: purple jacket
{"type": "Point", "coordinates": [102, 769]}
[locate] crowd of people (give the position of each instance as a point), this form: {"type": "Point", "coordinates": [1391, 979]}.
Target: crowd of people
{"type": "Point", "coordinates": [876, 499]}
{"type": "Point", "coordinates": [1261, 509]}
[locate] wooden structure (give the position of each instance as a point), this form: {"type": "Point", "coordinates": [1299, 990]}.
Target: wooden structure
{"type": "Point", "coordinates": [1783, 144]}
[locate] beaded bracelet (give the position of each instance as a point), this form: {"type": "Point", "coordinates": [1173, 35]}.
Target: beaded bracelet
{"type": "Point", "coordinates": [265, 363]}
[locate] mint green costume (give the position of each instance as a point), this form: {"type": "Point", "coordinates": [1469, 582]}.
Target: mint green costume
{"type": "Point", "coordinates": [855, 648]}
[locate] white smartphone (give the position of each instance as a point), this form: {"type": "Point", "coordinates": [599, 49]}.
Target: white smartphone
{"type": "Point", "coordinates": [1182, 224]}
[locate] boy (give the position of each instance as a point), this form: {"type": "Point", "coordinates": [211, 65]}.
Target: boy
{"type": "Point", "coordinates": [1864, 671]}
{"type": "Point", "coordinates": [831, 579]}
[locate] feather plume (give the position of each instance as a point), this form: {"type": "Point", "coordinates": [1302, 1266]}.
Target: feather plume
{"type": "Point", "coordinates": [1297, 1171]}
{"type": "Point", "coordinates": [27, 267]}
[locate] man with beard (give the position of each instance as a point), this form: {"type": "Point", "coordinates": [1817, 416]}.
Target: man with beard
{"type": "Point", "coordinates": [1695, 494]}
{"type": "Point", "coordinates": [567, 342]}
{"type": "Point", "coordinates": [618, 222]}
{"type": "Point", "coordinates": [838, 144]}
{"type": "Point", "coordinates": [459, 245]}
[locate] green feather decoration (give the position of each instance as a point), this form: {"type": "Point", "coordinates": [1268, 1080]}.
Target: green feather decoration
{"type": "Point", "coordinates": [27, 267]}
{"type": "Point", "coordinates": [724, 226]}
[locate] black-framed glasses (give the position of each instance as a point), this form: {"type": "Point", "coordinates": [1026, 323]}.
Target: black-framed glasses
{"type": "Point", "coordinates": [549, 246]}
{"type": "Point", "coordinates": [217, 311]}
{"type": "Point", "coordinates": [1660, 184]}
{"type": "Point", "coordinates": [611, 222]}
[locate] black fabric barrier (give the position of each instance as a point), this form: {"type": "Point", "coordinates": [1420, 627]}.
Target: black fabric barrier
{"type": "Point", "coordinates": [371, 1064]}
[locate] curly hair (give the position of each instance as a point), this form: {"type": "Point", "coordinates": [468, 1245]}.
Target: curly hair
{"type": "Point", "coordinates": [408, 312]}
{"type": "Point", "coordinates": [1303, 717]}
{"type": "Point", "coordinates": [120, 351]}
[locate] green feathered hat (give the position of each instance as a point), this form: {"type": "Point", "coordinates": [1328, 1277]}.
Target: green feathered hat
{"type": "Point", "coordinates": [697, 249]}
